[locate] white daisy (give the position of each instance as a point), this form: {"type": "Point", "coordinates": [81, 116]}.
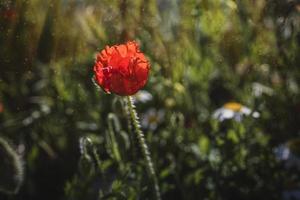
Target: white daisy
{"type": "Point", "coordinates": [152, 118]}
{"type": "Point", "coordinates": [233, 110]}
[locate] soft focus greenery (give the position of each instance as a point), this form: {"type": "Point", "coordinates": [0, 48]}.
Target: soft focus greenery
{"type": "Point", "coordinates": [74, 141]}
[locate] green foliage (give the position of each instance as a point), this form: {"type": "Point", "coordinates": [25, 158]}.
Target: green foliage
{"type": "Point", "coordinates": [78, 142]}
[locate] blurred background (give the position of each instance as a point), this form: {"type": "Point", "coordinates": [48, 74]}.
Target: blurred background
{"type": "Point", "coordinates": [220, 110]}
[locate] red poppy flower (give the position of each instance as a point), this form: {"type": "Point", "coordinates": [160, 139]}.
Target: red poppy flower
{"type": "Point", "coordinates": [121, 69]}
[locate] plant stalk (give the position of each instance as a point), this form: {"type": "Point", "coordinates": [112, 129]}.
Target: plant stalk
{"type": "Point", "coordinates": [143, 145]}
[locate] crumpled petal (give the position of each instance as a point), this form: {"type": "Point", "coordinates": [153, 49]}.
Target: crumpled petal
{"type": "Point", "coordinates": [121, 69]}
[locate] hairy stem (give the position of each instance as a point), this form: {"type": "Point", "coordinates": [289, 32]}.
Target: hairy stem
{"type": "Point", "coordinates": [143, 145]}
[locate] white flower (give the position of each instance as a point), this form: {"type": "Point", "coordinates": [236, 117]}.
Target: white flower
{"type": "Point", "coordinates": [234, 111]}
{"type": "Point", "coordinates": [152, 118]}
{"type": "Point", "coordinates": [284, 153]}
{"type": "Point", "coordinates": [259, 89]}
{"type": "Point", "coordinates": [142, 96]}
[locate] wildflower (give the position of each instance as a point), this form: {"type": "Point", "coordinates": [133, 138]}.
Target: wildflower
{"type": "Point", "coordinates": [152, 118]}
{"type": "Point", "coordinates": [259, 89]}
{"type": "Point", "coordinates": [289, 153]}
{"type": "Point", "coordinates": [121, 69]}
{"type": "Point", "coordinates": [282, 152]}
{"type": "Point", "coordinates": [142, 96]}
{"type": "Point", "coordinates": [233, 110]}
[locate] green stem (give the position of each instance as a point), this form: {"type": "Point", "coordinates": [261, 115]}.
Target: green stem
{"type": "Point", "coordinates": [130, 130]}
{"type": "Point", "coordinates": [143, 145]}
